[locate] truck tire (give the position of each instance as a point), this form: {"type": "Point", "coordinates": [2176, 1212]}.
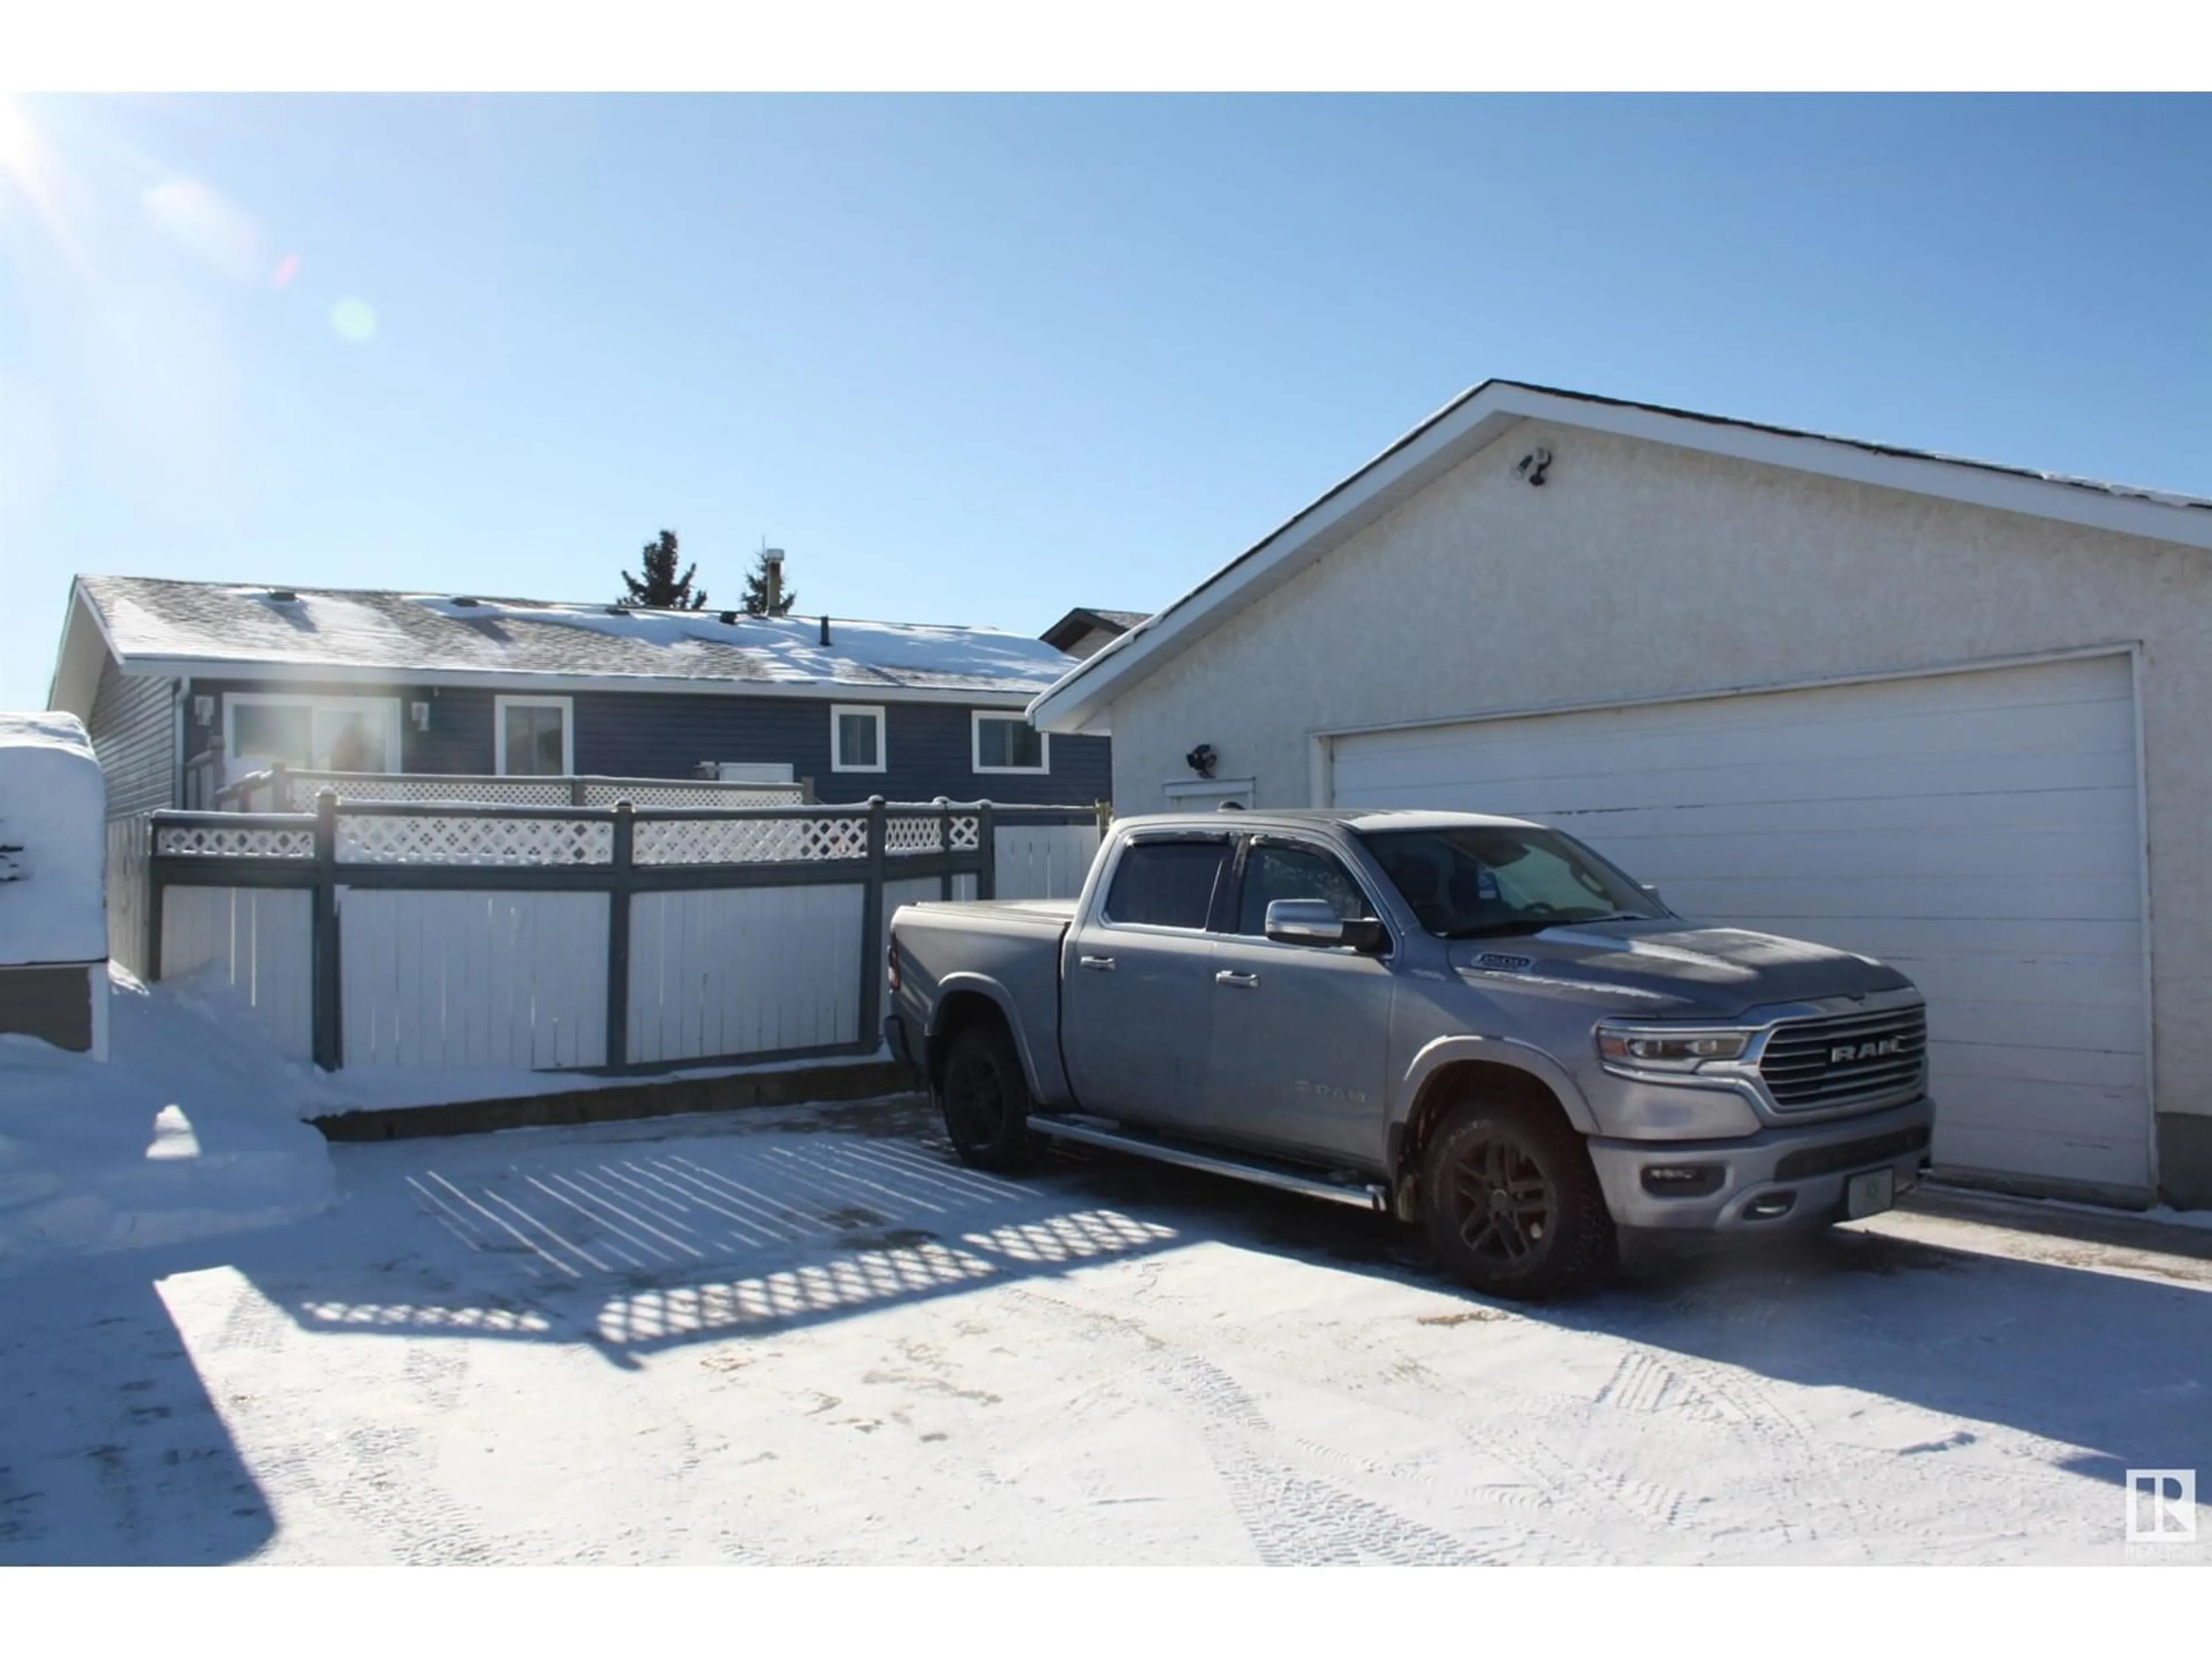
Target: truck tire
{"type": "Point", "coordinates": [1511, 1203]}
{"type": "Point", "coordinates": [984, 1099]}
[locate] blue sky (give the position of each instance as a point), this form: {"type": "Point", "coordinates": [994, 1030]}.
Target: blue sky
{"type": "Point", "coordinates": [980, 360]}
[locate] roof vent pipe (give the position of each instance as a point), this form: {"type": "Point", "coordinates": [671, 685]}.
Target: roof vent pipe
{"type": "Point", "coordinates": [825, 630]}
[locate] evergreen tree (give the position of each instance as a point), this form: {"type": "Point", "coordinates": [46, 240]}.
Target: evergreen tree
{"type": "Point", "coordinates": [765, 594]}
{"type": "Point", "coordinates": [662, 589]}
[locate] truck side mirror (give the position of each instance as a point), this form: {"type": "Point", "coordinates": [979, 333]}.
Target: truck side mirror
{"type": "Point", "coordinates": [1313, 922]}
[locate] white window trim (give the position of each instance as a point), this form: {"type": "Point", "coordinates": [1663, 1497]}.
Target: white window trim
{"type": "Point", "coordinates": [874, 712]}
{"type": "Point", "coordinates": [388, 707]}
{"type": "Point", "coordinates": [567, 706]}
{"type": "Point", "coordinates": [975, 743]}
{"type": "Point", "coordinates": [1203, 794]}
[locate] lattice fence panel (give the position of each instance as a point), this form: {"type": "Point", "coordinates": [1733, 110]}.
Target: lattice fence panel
{"type": "Point", "coordinates": [473, 841]}
{"type": "Point", "coordinates": [304, 787]}
{"type": "Point", "coordinates": [920, 835]}
{"type": "Point", "coordinates": [245, 841]}
{"type": "Point", "coordinates": [692, 794]}
{"type": "Point", "coordinates": [910, 834]}
{"type": "Point", "coordinates": [748, 841]}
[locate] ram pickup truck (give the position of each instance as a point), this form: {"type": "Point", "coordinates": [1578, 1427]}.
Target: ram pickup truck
{"type": "Point", "coordinates": [1476, 1023]}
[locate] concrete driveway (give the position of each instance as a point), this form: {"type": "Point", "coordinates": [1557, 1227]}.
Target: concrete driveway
{"type": "Point", "coordinates": [807, 1336]}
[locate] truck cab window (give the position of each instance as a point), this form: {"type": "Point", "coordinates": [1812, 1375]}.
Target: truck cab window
{"type": "Point", "coordinates": [1272, 873]}
{"type": "Point", "coordinates": [1167, 884]}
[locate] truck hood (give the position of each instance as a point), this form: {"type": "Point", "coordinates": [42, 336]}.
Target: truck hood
{"type": "Point", "coordinates": [1672, 970]}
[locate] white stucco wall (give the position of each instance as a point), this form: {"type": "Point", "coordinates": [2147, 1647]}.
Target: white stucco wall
{"type": "Point", "coordinates": [1641, 570]}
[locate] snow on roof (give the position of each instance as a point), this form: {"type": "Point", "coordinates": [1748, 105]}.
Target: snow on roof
{"type": "Point", "coordinates": [53, 808]}
{"type": "Point", "coordinates": [217, 624]}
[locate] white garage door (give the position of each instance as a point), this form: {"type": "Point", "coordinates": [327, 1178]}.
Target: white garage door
{"type": "Point", "coordinates": [1978, 830]}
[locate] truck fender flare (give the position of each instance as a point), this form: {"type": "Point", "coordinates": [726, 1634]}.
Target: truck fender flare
{"type": "Point", "coordinates": [968, 980]}
{"type": "Point", "coordinates": [1497, 1051]}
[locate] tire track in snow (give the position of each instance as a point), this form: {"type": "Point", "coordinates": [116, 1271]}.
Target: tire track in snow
{"type": "Point", "coordinates": [1755, 1408]}
{"type": "Point", "coordinates": [1293, 1516]}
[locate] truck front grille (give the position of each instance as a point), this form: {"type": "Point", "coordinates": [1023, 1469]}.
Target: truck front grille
{"type": "Point", "coordinates": [1849, 1059]}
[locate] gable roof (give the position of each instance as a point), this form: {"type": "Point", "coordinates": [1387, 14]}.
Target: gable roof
{"type": "Point", "coordinates": [155, 626]}
{"type": "Point", "coordinates": [1476, 418]}
{"type": "Point", "coordinates": [1083, 620]}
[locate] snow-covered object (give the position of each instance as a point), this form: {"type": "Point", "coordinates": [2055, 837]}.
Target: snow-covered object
{"type": "Point", "coordinates": [192, 1129]}
{"type": "Point", "coordinates": [53, 807]}
{"type": "Point", "coordinates": [177, 623]}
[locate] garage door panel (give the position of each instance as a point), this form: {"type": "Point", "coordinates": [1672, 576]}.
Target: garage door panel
{"type": "Point", "coordinates": [2038, 1155]}
{"type": "Point", "coordinates": [2029, 852]}
{"type": "Point", "coordinates": [1980, 829]}
{"type": "Point", "coordinates": [2099, 1115]}
{"type": "Point", "coordinates": [1717, 785]}
{"type": "Point", "coordinates": [2069, 1026]}
{"type": "Point", "coordinates": [1749, 902]}
{"type": "Point", "coordinates": [1698, 735]}
{"type": "Point", "coordinates": [1996, 811]}
{"type": "Point", "coordinates": [1894, 937]}
{"type": "Point", "coordinates": [2106, 982]}
{"type": "Point", "coordinates": [2002, 1063]}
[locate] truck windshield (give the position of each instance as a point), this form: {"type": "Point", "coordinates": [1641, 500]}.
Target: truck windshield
{"type": "Point", "coordinates": [1477, 880]}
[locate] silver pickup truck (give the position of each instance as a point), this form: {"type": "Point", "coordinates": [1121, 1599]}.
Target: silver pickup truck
{"type": "Point", "coordinates": [1474, 1023]}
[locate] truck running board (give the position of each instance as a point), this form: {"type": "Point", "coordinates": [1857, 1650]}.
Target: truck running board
{"type": "Point", "coordinates": [1094, 1132]}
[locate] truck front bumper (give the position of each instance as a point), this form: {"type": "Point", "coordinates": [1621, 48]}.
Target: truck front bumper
{"type": "Point", "coordinates": [1781, 1179]}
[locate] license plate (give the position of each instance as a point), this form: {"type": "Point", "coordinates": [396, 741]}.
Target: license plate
{"type": "Point", "coordinates": [1869, 1194]}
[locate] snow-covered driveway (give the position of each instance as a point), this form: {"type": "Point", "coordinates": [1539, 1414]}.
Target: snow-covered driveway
{"type": "Point", "coordinates": [806, 1336]}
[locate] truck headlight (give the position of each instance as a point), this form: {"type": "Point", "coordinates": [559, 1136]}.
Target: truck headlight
{"type": "Point", "coordinates": [1663, 1048]}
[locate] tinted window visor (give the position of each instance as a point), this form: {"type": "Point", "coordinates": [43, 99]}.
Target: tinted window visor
{"type": "Point", "coordinates": [1167, 884]}
{"type": "Point", "coordinates": [1476, 881]}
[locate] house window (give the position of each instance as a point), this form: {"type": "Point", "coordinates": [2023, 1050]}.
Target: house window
{"type": "Point", "coordinates": [1008, 743]}
{"type": "Point", "coordinates": [534, 736]}
{"type": "Point", "coordinates": [856, 739]}
{"type": "Point", "coordinates": [322, 734]}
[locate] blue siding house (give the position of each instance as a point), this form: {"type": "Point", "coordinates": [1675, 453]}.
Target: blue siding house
{"type": "Point", "coordinates": [229, 678]}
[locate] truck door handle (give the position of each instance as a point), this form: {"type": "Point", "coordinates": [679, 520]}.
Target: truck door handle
{"type": "Point", "coordinates": [1104, 965]}
{"type": "Point", "coordinates": [1241, 982]}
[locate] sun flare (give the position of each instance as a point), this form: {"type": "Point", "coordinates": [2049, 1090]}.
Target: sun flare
{"type": "Point", "coordinates": [26, 168]}
{"type": "Point", "coordinates": [18, 142]}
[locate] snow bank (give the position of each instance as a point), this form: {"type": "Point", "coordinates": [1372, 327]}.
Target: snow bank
{"type": "Point", "coordinates": [53, 809]}
{"type": "Point", "coordinates": [192, 1129]}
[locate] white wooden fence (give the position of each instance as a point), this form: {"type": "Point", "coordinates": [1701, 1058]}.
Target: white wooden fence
{"type": "Point", "coordinates": [449, 937]}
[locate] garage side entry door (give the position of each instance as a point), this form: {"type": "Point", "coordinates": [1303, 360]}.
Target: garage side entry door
{"type": "Point", "coordinates": [1977, 829]}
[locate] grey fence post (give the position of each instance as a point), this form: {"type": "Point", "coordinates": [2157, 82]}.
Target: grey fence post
{"type": "Point", "coordinates": [619, 897]}
{"type": "Point", "coordinates": [871, 930]}
{"type": "Point", "coordinates": [327, 1015]}
{"type": "Point", "coordinates": [986, 849]}
{"type": "Point", "coordinates": [944, 847]}
{"type": "Point", "coordinates": [575, 792]}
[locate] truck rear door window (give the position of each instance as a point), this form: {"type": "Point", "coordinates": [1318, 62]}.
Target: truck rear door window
{"type": "Point", "coordinates": [1167, 884]}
